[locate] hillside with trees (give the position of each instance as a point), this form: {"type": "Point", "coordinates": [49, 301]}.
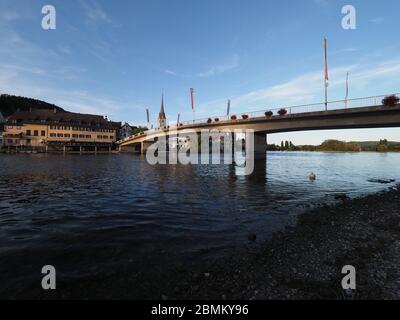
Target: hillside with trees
{"type": "Point", "coordinates": [340, 146]}
{"type": "Point", "coordinates": [10, 104]}
{"type": "Point", "coordinates": [336, 145]}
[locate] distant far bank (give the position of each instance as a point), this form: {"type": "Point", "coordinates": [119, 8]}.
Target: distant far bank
{"type": "Point", "coordinates": [340, 146]}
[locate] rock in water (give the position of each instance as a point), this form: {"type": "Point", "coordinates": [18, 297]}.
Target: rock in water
{"type": "Point", "coordinates": [382, 181]}
{"type": "Point", "coordinates": [341, 196]}
{"type": "Point", "coordinates": [312, 176]}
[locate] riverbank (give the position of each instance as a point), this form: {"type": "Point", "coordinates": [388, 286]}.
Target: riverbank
{"type": "Point", "coordinates": [305, 261]}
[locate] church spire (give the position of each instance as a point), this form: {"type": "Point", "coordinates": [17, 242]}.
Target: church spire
{"type": "Point", "coordinates": [161, 115]}
{"type": "Point", "coordinates": [162, 119]}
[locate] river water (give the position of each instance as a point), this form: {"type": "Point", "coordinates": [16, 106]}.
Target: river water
{"type": "Point", "coordinates": [95, 216]}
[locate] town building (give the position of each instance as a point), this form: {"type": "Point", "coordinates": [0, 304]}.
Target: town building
{"type": "Point", "coordinates": [2, 122]}
{"type": "Point", "coordinates": [59, 130]}
{"type": "Point", "coordinates": [125, 131]}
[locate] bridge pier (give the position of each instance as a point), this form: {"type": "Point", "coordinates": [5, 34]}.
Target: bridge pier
{"type": "Point", "coordinates": [144, 146]}
{"type": "Point", "coordinates": [259, 159]}
{"type": "Point", "coordinates": [260, 146]}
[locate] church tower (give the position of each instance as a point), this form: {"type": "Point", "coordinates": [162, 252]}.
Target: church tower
{"type": "Point", "coordinates": [162, 119]}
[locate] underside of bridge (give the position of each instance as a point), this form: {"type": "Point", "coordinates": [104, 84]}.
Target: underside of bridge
{"type": "Point", "coordinates": [256, 143]}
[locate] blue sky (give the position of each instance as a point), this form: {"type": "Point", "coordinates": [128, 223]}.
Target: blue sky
{"type": "Point", "coordinates": [115, 57]}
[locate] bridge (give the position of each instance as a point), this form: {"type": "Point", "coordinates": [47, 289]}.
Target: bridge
{"type": "Point", "coordinates": [368, 112]}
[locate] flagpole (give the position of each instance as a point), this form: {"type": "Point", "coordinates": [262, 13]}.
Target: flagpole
{"type": "Point", "coordinates": [193, 103]}
{"type": "Point", "coordinates": [326, 95]}
{"type": "Point", "coordinates": [148, 119]}
{"type": "Point", "coordinates": [347, 90]}
{"type": "Point", "coordinates": [177, 128]}
{"type": "Point", "coordinates": [326, 72]}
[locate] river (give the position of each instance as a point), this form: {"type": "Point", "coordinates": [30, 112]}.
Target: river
{"type": "Point", "coordinates": [95, 216]}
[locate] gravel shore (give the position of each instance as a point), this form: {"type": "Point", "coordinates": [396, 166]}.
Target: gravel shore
{"type": "Point", "coordinates": [305, 261]}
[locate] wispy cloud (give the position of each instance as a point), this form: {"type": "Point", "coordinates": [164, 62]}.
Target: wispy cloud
{"type": "Point", "coordinates": [321, 3]}
{"type": "Point", "coordinates": [230, 63]}
{"type": "Point", "coordinates": [170, 72]}
{"type": "Point", "coordinates": [378, 20]}
{"type": "Point", "coordinates": [9, 16]}
{"type": "Point", "coordinates": [94, 11]}
{"type": "Point", "coordinates": [31, 70]}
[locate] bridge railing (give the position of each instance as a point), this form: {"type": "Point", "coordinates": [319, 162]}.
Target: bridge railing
{"type": "Point", "coordinates": [316, 107]}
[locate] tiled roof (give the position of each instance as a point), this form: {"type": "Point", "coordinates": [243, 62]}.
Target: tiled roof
{"type": "Point", "coordinates": [50, 116]}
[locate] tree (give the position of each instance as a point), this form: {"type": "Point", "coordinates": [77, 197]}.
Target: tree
{"type": "Point", "coordinates": [286, 145]}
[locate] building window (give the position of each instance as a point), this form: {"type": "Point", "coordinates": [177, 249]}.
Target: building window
{"type": "Point", "coordinates": [36, 133]}
{"type": "Point", "coordinates": [67, 135]}
{"type": "Point", "coordinates": [74, 136]}
{"type": "Point", "coordinates": [53, 135]}
{"type": "Point", "coordinates": [28, 132]}
{"type": "Point", "coordinates": [81, 136]}
{"type": "Point", "coordinates": [88, 136]}
{"type": "Point", "coordinates": [60, 135]}
{"type": "Point", "coordinates": [43, 133]}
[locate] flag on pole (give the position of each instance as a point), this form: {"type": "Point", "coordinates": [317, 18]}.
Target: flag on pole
{"type": "Point", "coordinates": [229, 107]}
{"type": "Point", "coordinates": [326, 77]}
{"type": "Point", "coordinates": [326, 60]}
{"type": "Point", "coordinates": [192, 98]}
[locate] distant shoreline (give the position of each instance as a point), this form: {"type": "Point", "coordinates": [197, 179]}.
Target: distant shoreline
{"type": "Point", "coordinates": [335, 151]}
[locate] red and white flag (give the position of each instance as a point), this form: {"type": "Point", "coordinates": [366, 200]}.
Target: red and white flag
{"type": "Point", "coordinates": [192, 97]}
{"type": "Point", "coordinates": [326, 59]}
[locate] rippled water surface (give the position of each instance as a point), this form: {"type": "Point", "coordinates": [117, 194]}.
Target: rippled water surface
{"type": "Point", "coordinates": [92, 215]}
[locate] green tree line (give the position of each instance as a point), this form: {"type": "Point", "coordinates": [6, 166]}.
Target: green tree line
{"type": "Point", "coordinates": [339, 146]}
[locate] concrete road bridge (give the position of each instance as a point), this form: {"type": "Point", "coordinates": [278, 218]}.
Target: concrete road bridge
{"type": "Point", "coordinates": [368, 112]}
